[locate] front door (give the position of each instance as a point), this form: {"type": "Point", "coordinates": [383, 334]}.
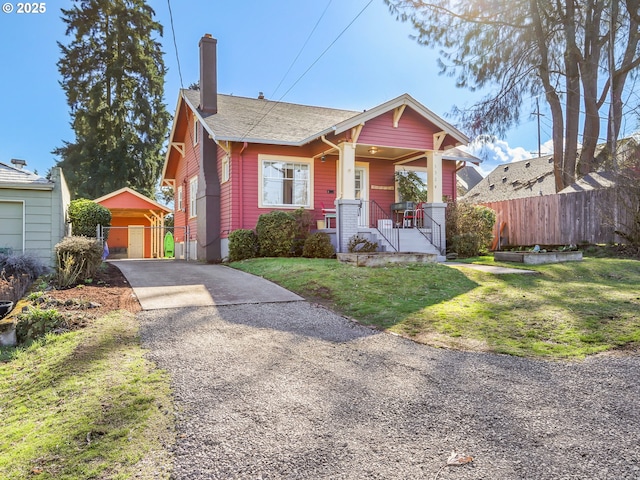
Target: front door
{"type": "Point", "coordinates": [362, 194]}
{"type": "Point", "coordinates": [135, 246]}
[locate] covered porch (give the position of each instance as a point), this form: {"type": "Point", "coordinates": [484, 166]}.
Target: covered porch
{"type": "Point", "coordinates": [366, 202]}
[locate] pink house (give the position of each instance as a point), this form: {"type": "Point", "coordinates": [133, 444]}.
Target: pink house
{"type": "Point", "coordinates": [232, 159]}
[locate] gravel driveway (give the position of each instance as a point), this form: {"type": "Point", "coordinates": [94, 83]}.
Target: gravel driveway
{"type": "Point", "coordinates": [291, 390]}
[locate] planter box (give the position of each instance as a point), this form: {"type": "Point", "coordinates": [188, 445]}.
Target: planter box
{"type": "Point", "coordinates": [381, 259]}
{"type": "Point", "coordinates": [532, 258]}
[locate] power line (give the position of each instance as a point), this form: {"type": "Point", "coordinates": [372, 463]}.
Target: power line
{"type": "Point", "coordinates": [175, 44]}
{"type": "Point", "coordinates": [302, 48]}
{"type": "Point", "coordinates": [308, 69]}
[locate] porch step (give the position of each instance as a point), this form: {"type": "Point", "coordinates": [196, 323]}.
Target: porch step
{"type": "Point", "coordinates": [411, 240]}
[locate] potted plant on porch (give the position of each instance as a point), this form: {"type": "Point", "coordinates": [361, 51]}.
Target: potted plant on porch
{"type": "Point", "coordinates": [411, 190]}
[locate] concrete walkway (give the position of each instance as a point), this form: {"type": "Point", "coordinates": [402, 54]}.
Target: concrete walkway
{"type": "Point", "coordinates": [162, 284]}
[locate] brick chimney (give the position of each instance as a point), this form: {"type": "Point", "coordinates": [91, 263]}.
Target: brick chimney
{"type": "Point", "coordinates": [208, 75]}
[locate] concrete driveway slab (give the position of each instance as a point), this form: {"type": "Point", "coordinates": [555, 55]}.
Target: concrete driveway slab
{"type": "Point", "coordinates": [160, 284]}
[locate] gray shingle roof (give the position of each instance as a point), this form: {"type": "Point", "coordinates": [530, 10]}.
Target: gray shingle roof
{"type": "Point", "coordinates": [468, 177]}
{"type": "Point", "coordinates": [591, 181]}
{"type": "Point", "coordinates": [526, 178]}
{"type": "Point", "coordinates": [16, 177]}
{"type": "Point", "coordinates": [286, 123]}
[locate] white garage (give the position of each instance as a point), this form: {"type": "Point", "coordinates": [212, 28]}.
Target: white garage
{"type": "Point", "coordinates": [11, 226]}
{"type": "Point", "coordinates": [32, 211]}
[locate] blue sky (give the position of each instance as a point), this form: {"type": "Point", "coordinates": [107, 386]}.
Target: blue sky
{"type": "Point", "coordinates": [373, 61]}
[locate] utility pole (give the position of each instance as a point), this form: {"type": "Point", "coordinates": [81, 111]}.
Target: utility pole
{"type": "Point", "coordinates": [538, 114]}
{"type": "Point", "coordinates": [612, 69]}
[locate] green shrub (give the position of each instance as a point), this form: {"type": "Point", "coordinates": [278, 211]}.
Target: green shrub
{"type": "Point", "coordinates": [26, 263]}
{"type": "Point", "coordinates": [361, 244]}
{"type": "Point", "coordinates": [304, 222]}
{"type": "Point", "coordinates": [242, 244]}
{"type": "Point", "coordinates": [469, 228]}
{"type": "Point", "coordinates": [85, 214]}
{"type": "Point", "coordinates": [78, 259]}
{"type": "Point", "coordinates": [276, 232]}
{"type": "Point", "coordinates": [36, 322]}
{"type": "Point", "coordinates": [318, 245]}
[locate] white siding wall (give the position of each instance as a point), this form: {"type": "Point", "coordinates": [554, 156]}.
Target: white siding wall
{"type": "Point", "coordinates": [44, 216]}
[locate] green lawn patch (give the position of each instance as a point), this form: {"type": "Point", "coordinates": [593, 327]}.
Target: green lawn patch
{"type": "Point", "coordinates": [566, 310]}
{"type": "Point", "coordinates": [82, 405]}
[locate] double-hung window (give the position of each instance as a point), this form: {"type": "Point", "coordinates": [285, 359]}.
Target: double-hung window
{"type": "Point", "coordinates": [285, 182]}
{"type": "Point", "coordinates": [193, 190]}
{"type": "Point", "coordinates": [180, 199]}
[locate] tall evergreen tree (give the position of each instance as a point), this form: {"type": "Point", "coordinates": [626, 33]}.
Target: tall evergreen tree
{"type": "Point", "coordinates": [113, 75]}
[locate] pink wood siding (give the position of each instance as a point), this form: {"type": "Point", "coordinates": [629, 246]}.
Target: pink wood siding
{"type": "Point", "coordinates": [381, 174]}
{"type": "Point", "coordinates": [248, 218]}
{"type": "Point", "coordinates": [413, 131]}
{"type": "Point", "coordinates": [228, 202]}
{"type": "Point", "coordinates": [128, 201]}
{"type": "Point", "coordinates": [449, 179]}
{"type": "Point", "coordinates": [187, 168]}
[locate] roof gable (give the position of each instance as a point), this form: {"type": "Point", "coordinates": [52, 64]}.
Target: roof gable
{"type": "Point", "coordinates": [126, 198]}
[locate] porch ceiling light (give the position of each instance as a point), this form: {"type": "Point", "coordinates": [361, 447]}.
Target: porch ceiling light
{"type": "Point", "coordinates": [373, 150]}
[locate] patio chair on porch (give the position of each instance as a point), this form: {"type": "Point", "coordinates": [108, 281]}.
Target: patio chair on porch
{"type": "Point", "coordinates": [328, 213]}
{"type": "Point", "coordinates": [414, 217]}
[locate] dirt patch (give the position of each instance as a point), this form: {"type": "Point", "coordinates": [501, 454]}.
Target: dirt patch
{"type": "Point", "coordinates": [108, 291]}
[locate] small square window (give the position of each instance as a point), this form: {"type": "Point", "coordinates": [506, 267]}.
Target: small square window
{"type": "Point", "coordinates": [225, 168]}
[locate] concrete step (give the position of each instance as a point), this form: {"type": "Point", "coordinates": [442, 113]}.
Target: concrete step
{"type": "Point", "coordinates": [411, 240]}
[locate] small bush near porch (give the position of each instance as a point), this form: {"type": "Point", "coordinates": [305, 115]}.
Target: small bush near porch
{"type": "Point", "coordinates": [566, 310]}
{"type": "Point", "coordinates": [469, 228]}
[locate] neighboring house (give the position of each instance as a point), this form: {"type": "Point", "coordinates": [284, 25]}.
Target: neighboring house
{"type": "Point", "coordinates": [137, 224]}
{"type": "Point", "coordinates": [535, 176]}
{"type": "Point", "coordinates": [32, 211]}
{"type": "Point", "coordinates": [591, 181]}
{"type": "Point", "coordinates": [232, 159]}
{"type": "Point", "coordinates": [526, 178]}
{"type": "Point", "coordinates": [468, 177]}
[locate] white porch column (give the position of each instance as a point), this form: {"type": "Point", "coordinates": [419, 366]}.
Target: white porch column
{"type": "Point", "coordinates": [434, 177]}
{"type": "Point", "coordinates": [348, 170]}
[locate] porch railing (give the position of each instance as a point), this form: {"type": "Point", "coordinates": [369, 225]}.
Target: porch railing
{"type": "Point", "coordinates": [432, 234]}
{"type": "Point", "coordinates": [381, 221]}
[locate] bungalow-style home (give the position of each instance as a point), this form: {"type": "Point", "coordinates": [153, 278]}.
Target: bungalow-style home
{"type": "Point", "coordinates": [231, 159]}
{"type": "Point", "coordinates": [137, 224]}
{"type": "Point", "coordinates": [32, 211]}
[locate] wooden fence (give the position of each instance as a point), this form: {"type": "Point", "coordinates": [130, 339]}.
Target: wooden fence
{"type": "Point", "coordinates": [561, 219]}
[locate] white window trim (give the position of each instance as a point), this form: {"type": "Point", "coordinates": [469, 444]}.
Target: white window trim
{"type": "Point", "coordinates": [180, 199]}
{"type": "Point", "coordinates": [283, 158]}
{"type": "Point", "coordinates": [226, 168]}
{"type": "Point", "coordinates": [195, 131]}
{"type": "Point", "coordinates": [193, 197]}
